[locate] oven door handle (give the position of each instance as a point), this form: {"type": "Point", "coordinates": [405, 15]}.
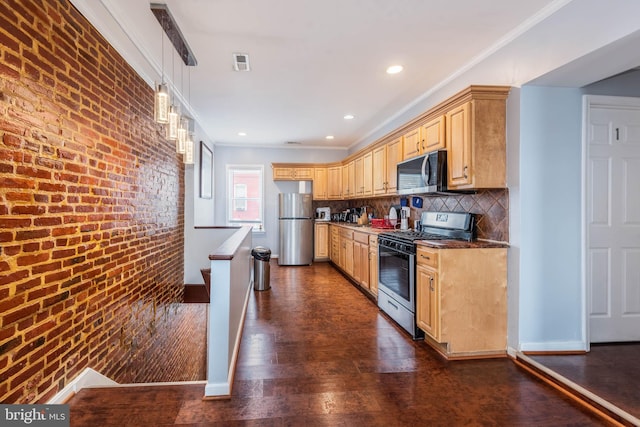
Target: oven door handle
{"type": "Point", "coordinates": [389, 249]}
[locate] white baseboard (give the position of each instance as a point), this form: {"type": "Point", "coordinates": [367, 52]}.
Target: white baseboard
{"type": "Point", "coordinates": [558, 346]}
{"type": "Point", "coordinates": [86, 379]}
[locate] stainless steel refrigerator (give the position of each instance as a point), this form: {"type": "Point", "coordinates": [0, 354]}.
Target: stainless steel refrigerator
{"type": "Point", "coordinates": [296, 229]}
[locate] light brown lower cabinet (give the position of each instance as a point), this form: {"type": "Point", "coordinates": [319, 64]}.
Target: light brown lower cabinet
{"type": "Point", "coordinates": [373, 265]}
{"type": "Point", "coordinates": [356, 254]}
{"type": "Point", "coordinates": [321, 241]}
{"type": "Point", "coordinates": [462, 300]}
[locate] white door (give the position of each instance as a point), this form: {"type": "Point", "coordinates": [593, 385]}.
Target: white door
{"type": "Point", "coordinates": [612, 214]}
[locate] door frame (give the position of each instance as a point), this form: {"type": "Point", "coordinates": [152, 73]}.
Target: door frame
{"type": "Point", "coordinates": [589, 101]}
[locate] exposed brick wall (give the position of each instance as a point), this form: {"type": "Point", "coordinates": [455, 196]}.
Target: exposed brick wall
{"type": "Point", "coordinates": [91, 212]}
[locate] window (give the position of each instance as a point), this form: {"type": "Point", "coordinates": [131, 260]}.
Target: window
{"type": "Point", "coordinates": [245, 196]}
{"type": "Point", "coordinates": [240, 197]}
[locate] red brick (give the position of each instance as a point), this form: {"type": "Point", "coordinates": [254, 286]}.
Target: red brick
{"type": "Point", "coordinates": [14, 222]}
{"type": "Point", "coordinates": [44, 268]}
{"type": "Point", "coordinates": [11, 278]}
{"type": "Point", "coordinates": [14, 316]}
{"type": "Point", "coordinates": [32, 259]}
{"type": "Point", "coordinates": [28, 210]}
{"type": "Point", "coordinates": [32, 234]}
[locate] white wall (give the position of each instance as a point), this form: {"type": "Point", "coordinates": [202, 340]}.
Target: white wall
{"type": "Point", "coordinates": [225, 155]}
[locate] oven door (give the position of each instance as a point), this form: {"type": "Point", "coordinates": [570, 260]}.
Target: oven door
{"type": "Point", "coordinates": [396, 275]}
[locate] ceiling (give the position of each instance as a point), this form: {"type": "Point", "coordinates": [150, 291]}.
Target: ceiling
{"type": "Point", "coordinates": [312, 62]}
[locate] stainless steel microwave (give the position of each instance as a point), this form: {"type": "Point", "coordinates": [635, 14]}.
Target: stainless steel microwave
{"type": "Point", "coordinates": [423, 174]}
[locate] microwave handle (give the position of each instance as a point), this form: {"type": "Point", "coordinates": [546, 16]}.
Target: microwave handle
{"type": "Point", "coordinates": [426, 173]}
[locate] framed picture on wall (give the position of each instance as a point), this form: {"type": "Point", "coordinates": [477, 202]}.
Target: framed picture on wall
{"type": "Point", "coordinates": [206, 172]}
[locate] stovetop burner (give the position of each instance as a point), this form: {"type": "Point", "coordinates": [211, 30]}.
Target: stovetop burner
{"type": "Point", "coordinates": [435, 226]}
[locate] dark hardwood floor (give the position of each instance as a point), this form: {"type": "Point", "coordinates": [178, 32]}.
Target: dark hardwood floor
{"type": "Point", "coordinates": [610, 371]}
{"type": "Point", "coordinates": [316, 352]}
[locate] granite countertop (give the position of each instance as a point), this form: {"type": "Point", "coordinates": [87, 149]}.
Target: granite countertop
{"type": "Point", "coordinates": [436, 244]}
{"type": "Point", "coordinates": [460, 244]}
{"type": "Point", "coordinates": [362, 228]}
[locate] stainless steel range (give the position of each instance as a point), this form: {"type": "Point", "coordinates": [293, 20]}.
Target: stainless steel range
{"type": "Point", "coordinates": [397, 262]}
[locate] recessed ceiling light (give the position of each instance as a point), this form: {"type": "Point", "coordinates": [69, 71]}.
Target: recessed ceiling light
{"type": "Point", "coordinates": [394, 69]}
{"type": "Point", "coordinates": [349, 117]}
{"type": "Point", "coordinates": [242, 134]}
{"type": "Point", "coordinates": [329, 137]}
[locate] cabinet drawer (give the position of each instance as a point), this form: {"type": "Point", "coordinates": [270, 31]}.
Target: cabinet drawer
{"type": "Point", "coordinates": [361, 237]}
{"type": "Point", "coordinates": [346, 233]}
{"type": "Point", "coordinates": [373, 240]}
{"type": "Point", "coordinates": [427, 256]}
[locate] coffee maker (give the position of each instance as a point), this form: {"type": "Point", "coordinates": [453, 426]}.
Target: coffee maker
{"type": "Point", "coordinates": [405, 213]}
{"type": "Point", "coordinates": [323, 214]}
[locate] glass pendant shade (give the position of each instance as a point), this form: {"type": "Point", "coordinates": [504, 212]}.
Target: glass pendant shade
{"type": "Point", "coordinates": [188, 153]}
{"type": "Point", "coordinates": [182, 137]}
{"type": "Point", "coordinates": [174, 120]}
{"type": "Point", "coordinates": [161, 104]}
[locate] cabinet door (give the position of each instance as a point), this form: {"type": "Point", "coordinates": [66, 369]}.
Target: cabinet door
{"type": "Point", "coordinates": [335, 245]}
{"type": "Point", "coordinates": [458, 135]}
{"type": "Point", "coordinates": [427, 298]}
{"type": "Point", "coordinates": [334, 182]}
{"type": "Point", "coordinates": [321, 241]}
{"type": "Point", "coordinates": [282, 174]}
{"type": "Point", "coordinates": [303, 174]}
{"type": "Point", "coordinates": [373, 265]}
{"type": "Point", "coordinates": [348, 256]}
{"type": "Point", "coordinates": [361, 266]}
{"type": "Point", "coordinates": [348, 180]}
{"type": "Point", "coordinates": [394, 156]}
{"type": "Point", "coordinates": [320, 184]}
{"type": "Point", "coordinates": [359, 171]}
{"type": "Point", "coordinates": [379, 170]}
{"type": "Point", "coordinates": [367, 172]}
{"type": "Point", "coordinates": [357, 262]}
{"type": "Point", "coordinates": [411, 143]}
{"type": "Point", "coordinates": [433, 135]}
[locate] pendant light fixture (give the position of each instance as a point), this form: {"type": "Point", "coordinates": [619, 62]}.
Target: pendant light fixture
{"type": "Point", "coordinates": [166, 111]}
{"type": "Point", "coordinates": [174, 119]}
{"type": "Point", "coordinates": [174, 112]}
{"type": "Point", "coordinates": [161, 96]}
{"type": "Point", "coordinates": [182, 136]}
{"type": "Point", "coordinates": [188, 153]}
{"type": "Point", "coordinates": [188, 143]}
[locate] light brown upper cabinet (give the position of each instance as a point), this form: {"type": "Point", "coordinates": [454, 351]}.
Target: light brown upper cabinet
{"type": "Point", "coordinates": [334, 182]}
{"type": "Point", "coordinates": [385, 161]}
{"type": "Point", "coordinates": [433, 135]}
{"type": "Point", "coordinates": [348, 180]}
{"type": "Point", "coordinates": [363, 175]}
{"type": "Point", "coordinates": [411, 143]}
{"type": "Point", "coordinates": [320, 184]}
{"type": "Point", "coordinates": [476, 146]}
{"type": "Point", "coordinates": [289, 173]}
{"type": "Point", "coordinates": [470, 126]}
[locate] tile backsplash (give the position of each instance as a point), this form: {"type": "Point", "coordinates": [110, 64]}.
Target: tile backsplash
{"type": "Point", "coordinates": [490, 206]}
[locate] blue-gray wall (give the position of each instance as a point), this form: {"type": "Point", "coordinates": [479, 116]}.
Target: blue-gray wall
{"type": "Point", "coordinates": [551, 314]}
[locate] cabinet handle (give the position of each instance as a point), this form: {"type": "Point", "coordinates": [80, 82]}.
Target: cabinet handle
{"type": "Point", "coordinates": [418, 146]}
{"type": "Point", "coordinates": [465, 172]}
{"type": "Point", "coordinates": [431, 284]}
{"type": "Point", "coordinates": [424, 256]}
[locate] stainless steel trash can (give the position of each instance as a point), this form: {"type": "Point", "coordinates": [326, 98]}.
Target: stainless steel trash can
{"type": "Point", "coordinates": [261, 268]}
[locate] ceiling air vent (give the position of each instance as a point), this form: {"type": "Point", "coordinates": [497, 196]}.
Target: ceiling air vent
{"type": "Point", "coordinates": [241, 62]}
